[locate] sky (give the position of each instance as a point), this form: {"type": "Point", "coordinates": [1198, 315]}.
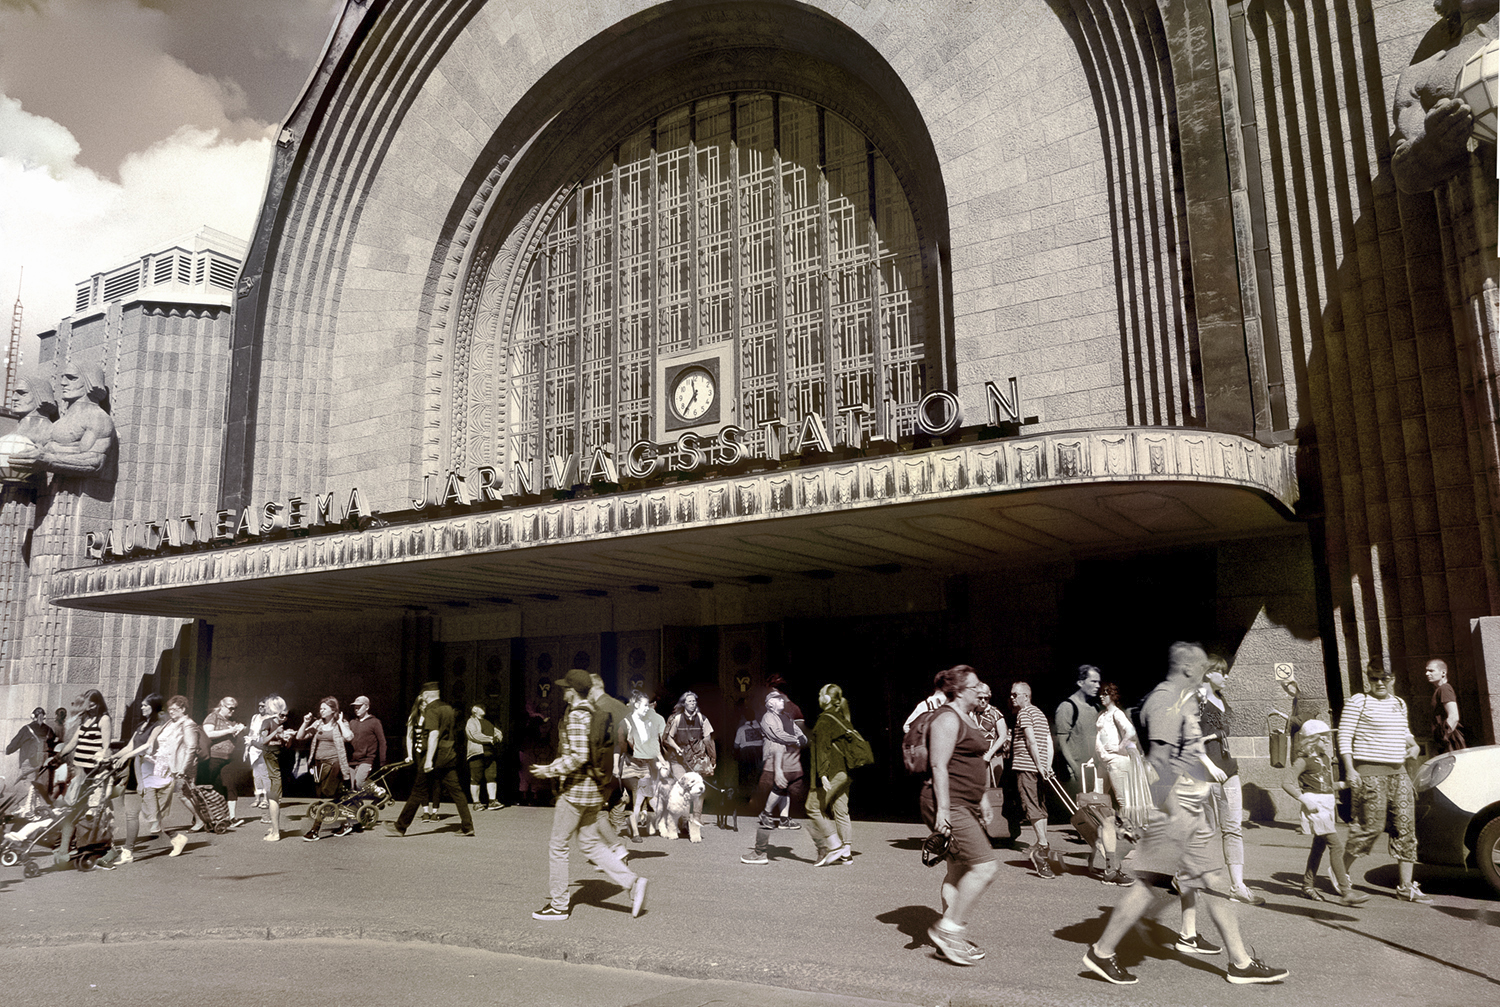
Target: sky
{"type": "Point", "coordinates": [127, 123]}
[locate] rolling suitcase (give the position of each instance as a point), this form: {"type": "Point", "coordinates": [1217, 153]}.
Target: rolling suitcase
{"type": "Point", "coordinates": [211, 807]}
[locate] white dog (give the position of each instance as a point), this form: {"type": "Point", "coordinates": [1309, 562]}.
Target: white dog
{"type": "Point", "coordinates": [679, 808]}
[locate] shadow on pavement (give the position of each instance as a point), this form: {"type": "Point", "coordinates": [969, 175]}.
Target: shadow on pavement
{"type": "Point", "coordinates": [912, 922]}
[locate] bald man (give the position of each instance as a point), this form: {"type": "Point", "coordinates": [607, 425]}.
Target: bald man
{"type": "Point", "coordinates": [1031, 758]}
{"type": "Point", "coordinates": [1446, 734]}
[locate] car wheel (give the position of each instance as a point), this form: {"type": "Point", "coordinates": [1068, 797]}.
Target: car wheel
{"type": "Point", "coordinates": [1487, 852]}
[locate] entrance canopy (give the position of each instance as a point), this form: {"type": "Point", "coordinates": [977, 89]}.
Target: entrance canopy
{"type": "Point", "coordinates": [979, 505]}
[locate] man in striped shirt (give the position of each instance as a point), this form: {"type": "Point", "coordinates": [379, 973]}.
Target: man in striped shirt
{"type": "Point", "coordinates": [1031, 747]}
{"type": "Point", "coordinates": [1375, 740]}
{"type": "Point", "coordinates": [578, 805]}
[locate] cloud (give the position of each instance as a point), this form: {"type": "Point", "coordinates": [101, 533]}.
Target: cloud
{"type": "Point", "coordinates": [63, 221]}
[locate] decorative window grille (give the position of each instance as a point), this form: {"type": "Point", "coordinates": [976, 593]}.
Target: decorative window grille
{"type": "Point", "coordinates": [761, 219]}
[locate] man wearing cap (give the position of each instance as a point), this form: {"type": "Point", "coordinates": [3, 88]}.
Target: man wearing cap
{"type": "Point", "coordinates": [439, 764]}
{"type": "Point", "coordinates": [782, 782]}
{"type": "Point", "coordinates": [1180, 847]}
{"type": "Point", "coordinates": [578, 804]}
{"type": "Point", "coordinates": [366, 752]}
{"type": "Point", "coordinates": [34, 743]}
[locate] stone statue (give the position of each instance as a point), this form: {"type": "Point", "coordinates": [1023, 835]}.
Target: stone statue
{"type": "Point", "coordinates": [1433, 126]}
{"type": "Point", "coordinates": [79, 442]}
{"type": "Point", "coordinates": [33, 400]}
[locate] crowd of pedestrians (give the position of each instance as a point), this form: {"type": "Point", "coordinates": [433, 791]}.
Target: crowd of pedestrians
{"type": "Point", "coordinates": [1159, 778]}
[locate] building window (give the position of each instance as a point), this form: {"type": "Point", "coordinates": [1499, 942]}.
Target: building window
{"type": "Point", "coordinates": [760, 220]}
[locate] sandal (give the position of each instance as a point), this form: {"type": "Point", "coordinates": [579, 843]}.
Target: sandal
{"type": "Point", "coordinates": [1309, 892]}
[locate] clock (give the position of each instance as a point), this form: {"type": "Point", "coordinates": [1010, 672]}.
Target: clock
{"type": "Point", "coordinates": [694, 393]}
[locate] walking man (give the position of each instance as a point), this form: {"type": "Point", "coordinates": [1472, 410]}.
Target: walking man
{"type": "Point", "coordinates": [1031, 758]}
{"type": "Point", "coordinates": [608, 713]}
{"type": "Point", "coordinates": [1447, 736]}
{"type": "Point", "coordinates": [439, 766]}
{"type": "Point", "coordinates": [578, 804]}
{"type": "Point", "coordinates": [366, 753]}
{"type": "Point", "coordinates": [1075, 724]}
{"type": "Point", "coordinates": [782, 782]}
{"type": "Point", "coordinates": [1182, 846]}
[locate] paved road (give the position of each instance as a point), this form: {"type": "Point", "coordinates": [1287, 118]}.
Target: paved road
{"type": "Point", "coordinates": [856, 931]}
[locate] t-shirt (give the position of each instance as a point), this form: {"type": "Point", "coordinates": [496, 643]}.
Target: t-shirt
{"type": "Point", "coordinates": [1174, 738]}
{"type": "Point", "coordinates": [1076, 722]}
{"type": "Point", "coordinates": [1441, 697]}
{"type": "Point", "coordinates": [439, 717]}
{"type": "Point", "coordinates": [1031, 716]}
{"type": "Point", "coordinates": [220, 748]}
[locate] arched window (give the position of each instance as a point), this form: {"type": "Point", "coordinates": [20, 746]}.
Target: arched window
{"type": "Point", "coordinates": [761, 224]}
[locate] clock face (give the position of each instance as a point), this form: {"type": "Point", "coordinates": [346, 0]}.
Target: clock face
{"type": "Point", "coordinates": [694, 393]}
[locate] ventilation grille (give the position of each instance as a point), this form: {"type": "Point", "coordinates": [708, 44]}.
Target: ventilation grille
{"type": "Point", "coordinates": [122, 285]}
{"type": "Point", "coordinates": [221, 274]}
{"type": "Point", "coordinates": [161, 271]}
{"type": "Point", "coordinates": [81, 302]}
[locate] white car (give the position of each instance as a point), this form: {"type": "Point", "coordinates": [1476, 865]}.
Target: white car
{"type": "Point", "coordinates": [1458, 811]}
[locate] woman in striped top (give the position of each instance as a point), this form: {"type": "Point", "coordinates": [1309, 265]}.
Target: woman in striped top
{"type": "Point", "coordinates": [1375, 740]}
{"type": "Point", "coordinates": [87, 744]}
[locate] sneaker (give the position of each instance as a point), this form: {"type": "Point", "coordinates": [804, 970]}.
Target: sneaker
{"type": "Point", "coordinates": [1196, 945]}
{"type": "Point", "coordinates": [548, 913]}
{"type": "Point", "coordinates": [951, 946]}
{"type": "Point", "coordinates": [343, 830]}
{"type": "Point", "coordinates": [787, 823]}
{"type": "Point", "coordinates": [392, 829]}
{"type": "Point", "coordinates": [1311, 892]}
{"type": "Point", "coordinates": [178, 842]}
{"type": "Point", "coordinates": [975, 951]}
{"type": "Point", "coordinates": [829, 858]}
{"type": "Point", "coordinates": [1256, 971]}
{"type": "Point", "coordinates": [1352, 898]}
{"type": "Point", "coordinates": [1107, 968]}
{"type": "Point", "coordinates": [637, 896]}
{"type": "Point", "coordinates": [1039, 861]}
{"type": "Point", "coordinates": [111, 860]}
{"type": "Point", "coordinates": [265, 819]}
{"type": "Point", "coordinates": [311, 836]}
{"type": "Point", "coordinates": [767, 823]}
{"type": "Point", "coordinates": [1412, 893]}
{"type": "Point", "coordinates": [1118, 878]}
{"type": "Point", "coordinates": [466, 832]}
{"type": "Point", "coordinates": [755, 858]}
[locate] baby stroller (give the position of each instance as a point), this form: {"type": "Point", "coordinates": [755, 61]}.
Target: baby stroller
{"type": "Point", "coordinates": [91, 814]}
{"type": "Point", "coordinates": [362, 805]}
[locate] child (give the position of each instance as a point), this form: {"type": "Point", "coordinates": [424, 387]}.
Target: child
{"type": "Point", "coordinates": [1311, 779]}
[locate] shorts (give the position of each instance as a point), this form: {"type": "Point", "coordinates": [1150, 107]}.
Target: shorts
{"type": "Point", "coordinates": [968, 844]}
{"type": "Point", "coordinates": [1180, 845]}
{"type": "Point", "coordinates": [1029, 785]}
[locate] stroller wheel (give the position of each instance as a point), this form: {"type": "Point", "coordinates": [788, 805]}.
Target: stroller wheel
{"type": "Point", "coordinates": [9, 858]}
{"type": "Point", "coordinates": [32, 869]}
{"type": "Point", "coordinates": [322, 810]}
{"type": "Point", "coordinates": [87, 861]}
{"type": "Point", "coordinates": [369, 816]}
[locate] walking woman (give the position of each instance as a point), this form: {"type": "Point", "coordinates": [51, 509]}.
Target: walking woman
{"type": "Point", "coordinates": [329, 733]}
{"type": "Point", "coordinates": [482, 737]}
{"type": "Point", "coordinates": [1224, 772]}
{"type": "Point", "coordinates": [829, 794]}
{"type": "Point", "coordinates": [1114, 743]}
{"type": "Point", "coordinates": [175, 763]}
{"type": "Point", "coordinates": [689, 741]}
{"type": "Point", "coordinates": [86, 743]}
{"type": "Point", "coordinates": [951, 799]}
{"type": "Point", "coordinates": [639, 745]}
{"type": "Point", "coordinates": [143, 769]}
{"type": "Point", "coordinates": [272, 739]}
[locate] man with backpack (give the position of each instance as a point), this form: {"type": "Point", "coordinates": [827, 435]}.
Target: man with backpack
{"type": "Point", "coordinates": [608, 714]}
{"type": "Point", "coordinates": [1075, 724]}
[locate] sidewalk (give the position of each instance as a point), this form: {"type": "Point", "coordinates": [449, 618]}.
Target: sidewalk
{"type": "Point", "coordinates": [859, 930]}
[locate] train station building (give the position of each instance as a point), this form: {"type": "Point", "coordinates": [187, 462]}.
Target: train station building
{"type": "Point", "coordinates": [699, 342]}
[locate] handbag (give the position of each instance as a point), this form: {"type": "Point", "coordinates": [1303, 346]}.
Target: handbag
{"type": "Point", "coordinates": [857, 751]}
{"type": "Point", "coordinates": [995, 825]}
{"type": "Point", "coordinates": [1279, 740]}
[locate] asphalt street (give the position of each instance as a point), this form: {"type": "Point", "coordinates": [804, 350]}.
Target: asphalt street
{"type": "Point", "coordinates": [437, 911]}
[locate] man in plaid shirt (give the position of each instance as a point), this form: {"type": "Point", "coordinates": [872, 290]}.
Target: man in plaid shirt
{"type": "Point", "coordinates": [578, 805]}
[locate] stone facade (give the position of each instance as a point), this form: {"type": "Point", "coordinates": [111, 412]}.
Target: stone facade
{"type": "Point", "coordinates": [1151, 215]}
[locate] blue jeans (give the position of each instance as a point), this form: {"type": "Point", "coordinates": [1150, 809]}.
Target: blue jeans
{"type": "Point", "coordinates": [569, 820]}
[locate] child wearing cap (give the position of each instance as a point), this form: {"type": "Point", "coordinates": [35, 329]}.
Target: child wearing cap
{"type": "Point", "coordinates": [1311, 779]}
